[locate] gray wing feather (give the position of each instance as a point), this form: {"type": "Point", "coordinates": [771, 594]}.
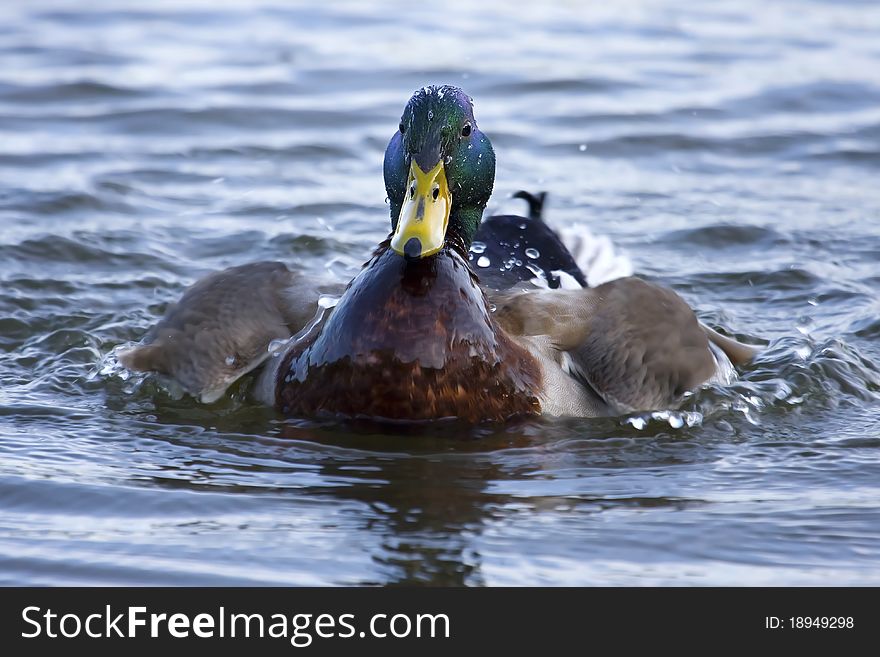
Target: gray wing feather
{"type": "Point", "coordinates": [222, 326]}
{"type": "Point", "coordinates": [638, 345]}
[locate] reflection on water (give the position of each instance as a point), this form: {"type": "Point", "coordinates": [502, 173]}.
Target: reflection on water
{"type": "Point", "coordinates": [727, 149]}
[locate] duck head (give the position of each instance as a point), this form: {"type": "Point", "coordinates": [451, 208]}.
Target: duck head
{"type": "Point", "coordinates": [439, 173]}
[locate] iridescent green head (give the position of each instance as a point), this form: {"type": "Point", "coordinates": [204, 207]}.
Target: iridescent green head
{"type": "Point", "coordinates": [439, 172]}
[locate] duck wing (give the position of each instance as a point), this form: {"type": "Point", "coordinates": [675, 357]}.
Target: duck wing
{"type": "Point", "coordinates": [222, 326]}
{"type": "Point", "coordinates": [639, 346]}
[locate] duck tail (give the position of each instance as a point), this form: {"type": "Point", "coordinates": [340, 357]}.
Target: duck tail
{"type": "Point", "coordinates": [536, 203]}
{"type": "Point", "coordinates": [738, 352]}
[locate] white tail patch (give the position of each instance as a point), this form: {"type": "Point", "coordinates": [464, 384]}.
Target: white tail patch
{"type": "Point", "coordinates": [595, 255]}
{"type": "Point", "coordinates": [566, 280]}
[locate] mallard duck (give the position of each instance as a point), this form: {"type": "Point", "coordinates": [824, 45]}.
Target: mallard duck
{"type": "Point", "coordinates": [414, 336]}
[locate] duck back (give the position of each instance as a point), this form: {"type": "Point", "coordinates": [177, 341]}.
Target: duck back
{"type": "Point", "coordinates": [410, 340]}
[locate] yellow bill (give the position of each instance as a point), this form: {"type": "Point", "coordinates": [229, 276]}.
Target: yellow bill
{"type": "Point", "coordinates": [421, 226]}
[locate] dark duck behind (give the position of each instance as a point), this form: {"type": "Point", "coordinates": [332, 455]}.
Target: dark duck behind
{"type": "Point", "coordinates": [412, 337]}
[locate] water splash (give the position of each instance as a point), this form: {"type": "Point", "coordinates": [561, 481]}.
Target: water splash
{"type": "Point", "coordinates": [675, 419]}
{"type": "Point", "coordinates": [791, 373]}
{"type": "Point", "coordinates": [110, 368]}
{"type": "Point", "coordinates": [325, 303]}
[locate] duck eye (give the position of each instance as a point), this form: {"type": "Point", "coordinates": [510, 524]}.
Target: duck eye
{"type": "Point", "coordinates": [402, 127]}
{"type": "Point", "coordinates": [466, 130]}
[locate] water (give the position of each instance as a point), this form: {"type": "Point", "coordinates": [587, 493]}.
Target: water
{"type": "Point", "coordinates": [731, 150]}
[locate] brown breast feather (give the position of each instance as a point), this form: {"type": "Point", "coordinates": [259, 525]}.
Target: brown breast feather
{"type": "Point", "coordinates": [410, 341]}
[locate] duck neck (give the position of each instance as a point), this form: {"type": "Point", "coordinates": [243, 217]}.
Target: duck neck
{"type": "Point", "coordinates": [463, 225]}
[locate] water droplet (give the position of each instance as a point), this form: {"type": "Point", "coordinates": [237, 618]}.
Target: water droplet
{"type": "Point", "coordinates": [637, 423]}
{"type": "Point", "coordinates": [483, 262]}
{"type": "Point", "coordinates": [324, 224]}
{"type": "Point", "coordinates": [328, 300]}
{"type": "Point", "coordinates": [276, 346]}
{"type": "Point", "coordinates": [533, 253]}
{"type": "Point", "coordinates": [478, 247]}
{"type": "Point", "coordinates": [582, 148]}
{"type": "Point", "coordinates": [430, 115]}
{"type": "Point", "coordinates": [693, 418]}
{"type": "Point", "coordinates": [230, 360]}
{"type": "Point", "coordinates": [783, 391]}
